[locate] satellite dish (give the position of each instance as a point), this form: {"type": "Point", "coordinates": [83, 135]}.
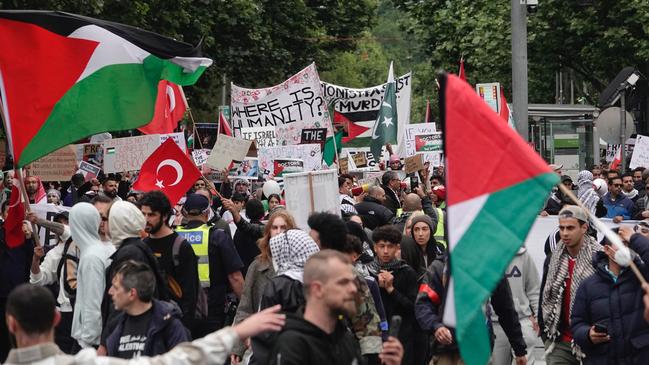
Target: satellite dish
{"type": "Point", "coordinates": [608, 125]}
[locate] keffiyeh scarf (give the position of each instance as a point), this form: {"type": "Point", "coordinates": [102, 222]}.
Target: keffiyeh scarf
{"type": "Point", "coordinates": [376, 266]}
{"type": "Point", "coordinates": [555, 285]}
{"type": "Point", "coordinates": [290, 250]}
{"type": "Point", "coordinates": [585, 193]}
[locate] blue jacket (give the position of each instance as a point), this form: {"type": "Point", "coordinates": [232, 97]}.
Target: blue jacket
{"type": "Point", "coordinates": [622, 206]}
{"type": "Point", "coordinates": [619, 304]}
{"type": "Point", "coordinates": [164, 333]}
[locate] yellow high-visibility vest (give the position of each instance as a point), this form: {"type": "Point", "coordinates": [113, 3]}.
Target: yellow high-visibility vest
{"type": "Point", "coordinates": [199, 239]}
{"type": "Point", "coordinates": [439, 233]}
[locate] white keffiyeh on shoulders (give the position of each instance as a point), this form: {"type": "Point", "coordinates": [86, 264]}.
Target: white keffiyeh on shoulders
{"type": "Point", "coordinates": [290, 250]}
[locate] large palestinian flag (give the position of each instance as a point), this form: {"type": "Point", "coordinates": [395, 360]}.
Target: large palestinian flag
{"type": "Point", "coordinates": [496, 185]}
{"type": "Point", "coordinates": [64, 77]}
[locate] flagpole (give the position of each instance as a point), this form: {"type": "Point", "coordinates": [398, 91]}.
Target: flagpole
{"type": "Point", "coordinates": [194, 130]}
{"type": "Point", "coordinates": [333, 128]}
{"type": "Point", "coordinates": [608, 233]}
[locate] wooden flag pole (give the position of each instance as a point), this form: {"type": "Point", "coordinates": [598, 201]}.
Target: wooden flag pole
{"type": "Point", "coordinates": [194, 130]}
{"type": "Point", "coordinates": [596, 220]}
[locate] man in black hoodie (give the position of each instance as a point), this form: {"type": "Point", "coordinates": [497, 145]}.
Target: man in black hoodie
{"type": "Point", "coordinates": [319, 336]}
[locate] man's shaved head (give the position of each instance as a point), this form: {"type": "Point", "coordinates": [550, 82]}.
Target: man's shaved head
{"type": "Point", "coordinates": [375, 191]}
{"type": "Point", "coordinates": [411, 203]}
{"type": "Point", "coordinates": [317, 267]}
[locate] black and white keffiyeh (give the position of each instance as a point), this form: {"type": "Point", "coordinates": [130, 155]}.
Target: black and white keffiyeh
{"type": "Point", "coordinates": [585, 193]}
{"type": "Point", "coordinates": [290, 250]}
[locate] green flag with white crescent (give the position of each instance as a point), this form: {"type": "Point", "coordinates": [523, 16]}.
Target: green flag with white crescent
{"type": "Point", "coordinates": [385, 127]}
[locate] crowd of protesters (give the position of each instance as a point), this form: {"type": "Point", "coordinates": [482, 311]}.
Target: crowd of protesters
{"type": "Point", "coordinates": [226, 276]}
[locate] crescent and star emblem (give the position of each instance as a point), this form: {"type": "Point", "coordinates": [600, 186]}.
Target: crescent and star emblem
{"type": "Point", "coordinates": [176, 166]}
{"type": "Point", "coordinates": [387, 123]}
{"type": "Point", "coordinates": [172, 98]}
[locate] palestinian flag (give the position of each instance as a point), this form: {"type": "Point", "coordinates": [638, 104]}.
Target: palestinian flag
{"type": "Point", "coordinates": [64, 77]}
{"type": "Point", "coordinates": [496, 185]}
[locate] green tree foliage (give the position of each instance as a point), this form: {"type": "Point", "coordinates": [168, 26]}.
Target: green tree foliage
{"type": "Point", "coordinates": [595, 39]}
{"type": "Point", "coordinates": [253, 42]}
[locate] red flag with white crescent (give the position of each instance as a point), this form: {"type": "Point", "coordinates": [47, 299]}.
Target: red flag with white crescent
{"type": "Point", "coordinates": [169, 170]}
{"type": "Point", "coordinates": [170, 108]}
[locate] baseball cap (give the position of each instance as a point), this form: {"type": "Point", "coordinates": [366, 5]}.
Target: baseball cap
{"type": "Point", "coordinates": [555, 167]}
{"type": "Point", "coordinates": [239, 197]}
{"type": "Point", "coordinates": [196, 204]}
{"type": "Point", "coordinates": [565, 178]}
{"type": "Point", "coordinates": [573, 211]}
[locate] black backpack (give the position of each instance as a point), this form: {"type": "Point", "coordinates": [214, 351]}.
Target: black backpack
{"type": "Point", "coordinates": [70, 292]}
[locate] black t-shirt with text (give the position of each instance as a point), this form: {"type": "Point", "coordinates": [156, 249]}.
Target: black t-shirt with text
{"type": "Point", "coordinates": [134, 335]}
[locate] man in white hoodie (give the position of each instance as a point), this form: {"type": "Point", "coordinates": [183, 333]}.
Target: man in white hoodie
{"type": "Point", "coordinates": [524, 281]}
{"type": "Point", "coordinates": [93, 261]}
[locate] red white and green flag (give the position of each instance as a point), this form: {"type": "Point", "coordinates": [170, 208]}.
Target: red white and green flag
{"type": "Point", "coordinates": [496, 186]}
{"type": "Point", "coordinates": [64, 77]}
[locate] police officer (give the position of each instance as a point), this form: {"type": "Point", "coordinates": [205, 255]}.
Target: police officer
{"type": "Point", "coordinates": [219, 264]}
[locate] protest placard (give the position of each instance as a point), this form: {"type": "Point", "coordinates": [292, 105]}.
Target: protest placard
{"type": "Point", "coordinates": [263, 136]}
{"type": "Point", "coordinates": [88, 170]}
{"type": "Point", "coordinates": [59, 165]}
{"type": "Point", "coordinates": [246, 169]}
{"type": "Point", "coordinates": [490, 93]}
{"type": "Point", "coordinates": [128, 154]}
{"type": "Point", "coordinates": [310, 192]}
{"type": "Point", "coordinates": [227, 149]}
{"type": "Point", "coordinates": [413, 130]}
{"type": "Point", "coordinates": [640, 156]}
{"type": "Point", "coordinates": [287, 165]}
{"type": "Point", "coordinates": [47, 212]}
{"type": "Point", "coordinates": [370, 178]}
{"type": "Point", "coordinates": [91, 152]}
{"type": "Point", "coordinates": [430, 142]}
{"type": "Point", "coordinates": [314, 135]}
{"type": "Point", "coordinates": [344, 165]}
{"type": "Point", "coordinates": [414, 163]}
{"type": "Point", "coordinates": [298, 99]}
{"type": "Point", "coordinates": [360, 154]}
{"type": "Point", "coordinates": [309, 153]}
{"type": "Point", "coordinates": [200, 156]}
{"type": "Point", "coordinates": [357, 110]}
{"type": "Point", "coordinates": [179, 138]}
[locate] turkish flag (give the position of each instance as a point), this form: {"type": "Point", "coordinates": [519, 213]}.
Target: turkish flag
{"type": "Point", "coordinates": [14, 235]}
{"type": "Point", "coordinates": [170, 107]}
{"type": "Point", "coordinates": [169, 170]}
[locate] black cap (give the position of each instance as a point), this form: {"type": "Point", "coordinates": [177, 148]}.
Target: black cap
{"type": "Point", "coordinates": [239, 197]}
{"type": "Point", "coordinates": [196, 204]}
{"type": "Point", "coordinates": [566, 178]}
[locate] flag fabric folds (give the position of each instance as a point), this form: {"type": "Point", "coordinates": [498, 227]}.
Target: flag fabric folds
{"type": "Point", "coordinates": [385, 128]}
{"type": "Point", "coordinates": [170, 108]}
{"type": "Point", "coordinates": [330, 152]}
{"type": "Point", "coordinates": [169, 170]}
{"type": "Point", "coordinates": [13, 226]}
{"type": "Point", "coordinates": [461, 73]}
{"type": "Point", "coordinates": [496, 185]}
{"type": "Point", "coordinates": [64, 77]}
{"type": "Point", "coordinates": [224, 125]}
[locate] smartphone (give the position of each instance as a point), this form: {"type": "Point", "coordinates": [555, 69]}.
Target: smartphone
{"type": "Point", "coordinates": [395, 326]}
{"type": "Point", "coordinates": [601, 327]}
{"type": "Point", "coordinates": [414, 182]}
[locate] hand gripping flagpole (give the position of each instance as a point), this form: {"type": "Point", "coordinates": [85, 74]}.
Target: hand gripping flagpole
{"type": "Point", "coordinates": [608, 233]}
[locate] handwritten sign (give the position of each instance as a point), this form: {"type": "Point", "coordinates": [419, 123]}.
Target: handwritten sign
{"type": "Point", "coordinates": [128, 154]}
{"type": "Point", "coordinates": [414, 163]}
{"type": "Point", "coordinates": [226, 149]}
{"type": "Point", "coordinates": [59, 165]}
{"type": "Point", "coordinates": [360, 155]}
{"type": "Point", "coordinates": [344, 165]}
{"type": "Point", "coordinates": [309, 153]}
{"type": "Point", "coordinates": [179, 138]}
{"type": "Point", "coordinates": [200, 156]}
{"type": "Point", "coordinates": [47, 212]}
{"type": "Point", "coordinates": [640, 156]}
{"type": "Point", "coordinates": [263, 136]}
{"type": "Point", "coordinates": [314, 135]}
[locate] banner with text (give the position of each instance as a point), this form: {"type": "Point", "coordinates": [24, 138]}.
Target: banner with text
{"type": "Point", "coordinates": [309, 153]}
{"type": "Point", "coordinates": [357, 109]}
{"type": "Point", "coordinates": [59, 165]}
{"type": "Point", "coordinates": [297, 101]}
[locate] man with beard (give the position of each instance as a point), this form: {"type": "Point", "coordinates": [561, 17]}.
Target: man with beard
{"type": "Point", "coordinates": [176, 258]}
{"type": "Point", "coordinates": [35, 190]}
{"type": "Point", "coordinates": [109, 188]}
{"type": "Point", "coordinates": [318, 336]}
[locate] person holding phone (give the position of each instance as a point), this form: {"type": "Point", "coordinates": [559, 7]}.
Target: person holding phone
{"type": "Point", "coordinates": [606, 319]}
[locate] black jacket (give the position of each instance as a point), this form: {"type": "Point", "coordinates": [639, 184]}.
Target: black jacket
{"type": "Point", "coordinates": [285, 291]}
{"type": "Point", "coordinates": [617, 304]}
{"type": "Point", "coordinates": [302, 342]}
{"type": "Point", "coordinates": [245, 241]}
{"type": "Point", "coordinates": [164, 333]}
{"type": "Point", "coordinates": [429, 307]}
{"type": "Point", "coordinates": [392, 201]}
{"type": "Point", "coordinates": [373, 213]}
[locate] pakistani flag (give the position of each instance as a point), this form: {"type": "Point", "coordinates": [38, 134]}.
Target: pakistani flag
{"type": "Point", "coordinates": [385, 127]}
{"type": "Point", "coordinates": [496, 186]}
{"type": "Point", "coordinates": [64, 77]}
